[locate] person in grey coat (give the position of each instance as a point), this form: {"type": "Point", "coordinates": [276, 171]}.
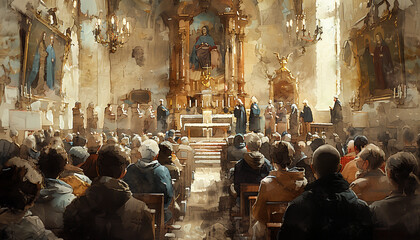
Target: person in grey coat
{"type": "Point", "coordinates": [56, 194]}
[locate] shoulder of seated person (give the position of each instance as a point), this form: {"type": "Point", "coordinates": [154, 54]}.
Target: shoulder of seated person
{"type": "Point", "coordinates": [359, 183]}
{"type": "Point", "coordinates": [268, 179]}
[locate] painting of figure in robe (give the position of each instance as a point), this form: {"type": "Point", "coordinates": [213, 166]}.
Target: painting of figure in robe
{"type": "Point", "coordinates": [366, 60]}
{"type": "Point", "coordinates": [45, 55]}
{"type": "Point", "coordinates": [383, 63]}
{"type": "Point", "coordinates": [207, 45]}
{"type": "Point", "coordinates": [380, 58]}
{"type": "Point", "coordinates": [38, 66]}
{"type": "Point", "coordinates": [51, 64]}
{"type": "Point", "coordinates": [201, 53]}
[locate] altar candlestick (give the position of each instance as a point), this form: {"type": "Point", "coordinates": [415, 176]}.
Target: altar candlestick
{"type": "Point", "coordinates": [190, 103]}
{"type": "Point", "coordinates": [223, 103]}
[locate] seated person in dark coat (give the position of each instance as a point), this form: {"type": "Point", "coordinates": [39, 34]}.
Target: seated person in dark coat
{"type": "Point", "coordinates": [108, 210]}
{"type": "Point", "coordinates": [327, 209]}
{"type": "Point", "coordinates": [237, 150]}
{"type": "Point", "coordinates": [148, 176]}
{"type": "Point", "coordinates": [253, 167]}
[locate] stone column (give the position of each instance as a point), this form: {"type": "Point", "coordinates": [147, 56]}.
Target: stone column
{"type": "Point", "coordinates": [227, 19]}
{"type": "Point", "coordinates": [240, 24]}
{"type": "Point", "coordinates": [241, 62]}
{"type": "Point", "coordinates": [184, 34]}
{"type": "Point", "coordinates": [173, 31]}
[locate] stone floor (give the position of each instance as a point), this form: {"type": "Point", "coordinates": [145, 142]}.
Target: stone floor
{"type": "Point", "coordinates": [203, 219]}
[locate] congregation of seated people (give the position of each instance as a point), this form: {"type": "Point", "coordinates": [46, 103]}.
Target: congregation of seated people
{"type": "Point", "coordinates": [356, 189]}
{"type": "Point", "coordinates": [80, 187]}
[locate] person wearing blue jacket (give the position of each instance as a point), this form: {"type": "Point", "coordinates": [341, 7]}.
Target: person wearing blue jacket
{"type": "Point", "coordinates": [149, 176]}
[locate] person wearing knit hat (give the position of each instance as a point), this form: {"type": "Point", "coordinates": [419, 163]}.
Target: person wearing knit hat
{"type": "Point", "coordinates": [327, 208]}
{"type": "Point", "coordinates": [253, 167]}
{"type": "Point", "coordinates": [73, 175]}
{"type": "Point", "coordinates": [170, 135]}
{"type": "Point", "coordinates": [149, 176]}
{"type": "Point", "coordinates": [78, 155]}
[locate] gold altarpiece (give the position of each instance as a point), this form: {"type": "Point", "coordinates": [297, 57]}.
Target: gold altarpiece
{"type": "Point", "coordinates": [283, 86]}
{"type": "Point", "coordinates": [186, 91]}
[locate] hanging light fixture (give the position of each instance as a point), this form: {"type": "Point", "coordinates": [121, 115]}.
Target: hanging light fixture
{"type": "Point", "coordinates": [115, 36]}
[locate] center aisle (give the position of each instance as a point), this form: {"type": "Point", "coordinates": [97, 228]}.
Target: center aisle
{"type": "Point", "coordinates": [203, 219]}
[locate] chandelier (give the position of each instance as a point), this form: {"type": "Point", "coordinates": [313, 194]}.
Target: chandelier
{"type": "Point", "coordinates": [115, 36]}
{"type": "Point", "coordinates": [303, 35]}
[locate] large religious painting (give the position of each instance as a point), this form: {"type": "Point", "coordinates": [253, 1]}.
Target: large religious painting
{"type": "Point", "coordinates": [46, 50]}
{"type": "Point", "coordinates": [206, 44]}
{"type": "Point", "coordinates": [380, 55]}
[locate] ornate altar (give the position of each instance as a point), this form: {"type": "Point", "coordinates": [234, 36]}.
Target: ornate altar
{"type": "Point", "coordinates": [207, 54]}
{"type": "Point", "coordinates": [283, 86]}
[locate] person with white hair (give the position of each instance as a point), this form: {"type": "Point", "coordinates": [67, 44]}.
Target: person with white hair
{"type": "Point", "coordinates": [240, 115]}
{"type": "Point", "coordinates": [293, 120]}
{"type": "Point", "coordinates": [254, 116]}
{"type": "Point", "coordinates": [162, 116]}
{"type": "Point", "coordinates": [307, 118]}
{"type": "Point", "coordinates": [149, 176]}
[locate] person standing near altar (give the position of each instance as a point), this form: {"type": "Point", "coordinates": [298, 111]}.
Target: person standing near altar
{"type": "Point", "coordinates": [254, 116]}
{"type": "Point", "coordinates": [337, 117]}
{"type": "Point", "coordinates": [307, 118]}
{"type": "Point", "coordinates": [240, 115]}
{"type": "Point", "coordinates": [162, 116]}
{"type": "Point", "coordinates": [270, 119]}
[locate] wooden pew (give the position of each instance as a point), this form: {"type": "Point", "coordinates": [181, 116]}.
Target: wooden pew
{"type": "Point", "coordinates": [251, 201]}
{"type": "Point", "coordinates": [186, 158]}
{"type": "Point", "coordinates": [246, 191]}
{"type": "Point", "coordinates": [276, 211]}
{"type": "Point", "coordinates": [155, 202]}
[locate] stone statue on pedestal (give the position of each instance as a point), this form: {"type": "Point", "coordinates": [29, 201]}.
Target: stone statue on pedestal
{"type": "Point", "coordinates": [149, 121]}
{"type": "Point", "coordinates": [137, 120]}
{"type": "Point", "coordinates": [78, 119]}
{"type": "Point", "coordinates": [122, 120]}
{"type": "Point", "coordinates": [92, 117]}
{"type": "Point", "coordinates": [109, 119]}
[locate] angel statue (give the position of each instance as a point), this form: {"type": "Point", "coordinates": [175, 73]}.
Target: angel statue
{"type": "Point", "coordinates": [283, 61]}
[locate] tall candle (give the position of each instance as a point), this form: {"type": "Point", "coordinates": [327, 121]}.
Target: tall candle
{"type": "Point", "coordinates": [223, 103]}
{"type": "Point", "coordinates": [228, 102]}
{"type": "Point", "coordinates": [217, 103]}
{"type": "Point", "coordinates": [195, 102]}
{"type": "Point", "coordinates": [190, 103]}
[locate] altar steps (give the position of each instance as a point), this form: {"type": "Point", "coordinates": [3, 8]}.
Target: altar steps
{"type": "Point", "coordinates": [208, 152]}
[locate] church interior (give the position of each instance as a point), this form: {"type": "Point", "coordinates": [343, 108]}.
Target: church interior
{"type": "Point", "coordinates": [202, 79]}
